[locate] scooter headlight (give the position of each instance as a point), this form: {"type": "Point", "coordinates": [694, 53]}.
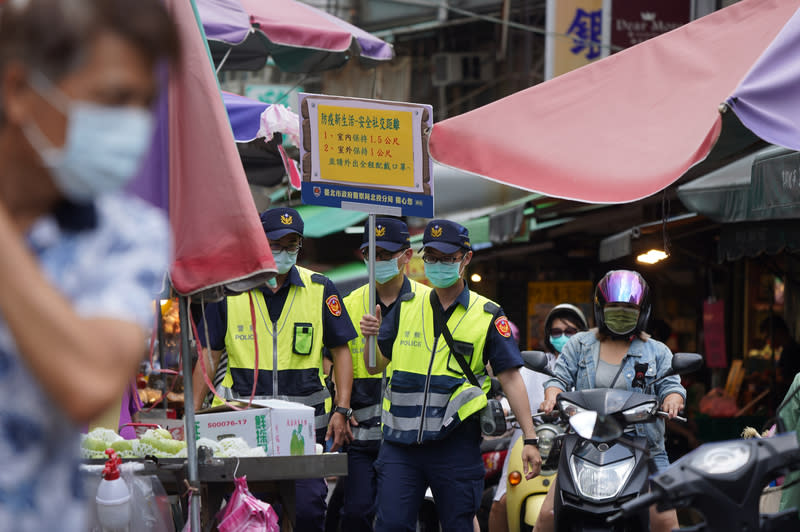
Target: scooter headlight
{"type": "Point", "coordinates": [546, 437]}
{"type": "Point", "coordinates": [639, 413]}
{"type": "Point", "coordinates": [600, 482]}
{"type": "Point", "coordinates": [568, 408]}
{"type": "Point", "coordinates": [721, 458]}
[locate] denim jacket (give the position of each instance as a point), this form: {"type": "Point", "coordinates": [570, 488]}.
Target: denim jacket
{"type": "Point", "coordinates": [577, 367]}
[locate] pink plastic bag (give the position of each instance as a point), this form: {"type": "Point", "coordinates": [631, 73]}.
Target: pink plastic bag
{"type": "Point", "coordinates": [245, 513]}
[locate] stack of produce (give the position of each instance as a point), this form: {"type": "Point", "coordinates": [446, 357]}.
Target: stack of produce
{"type": "Point", "coordinates": [159, 443]}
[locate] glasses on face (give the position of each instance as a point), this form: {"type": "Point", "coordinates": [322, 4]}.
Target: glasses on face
{"type": "Point", "coordinates": [555, 332]}
{"type": "Point", "coordinates": [446, 259]}
{"type": "Point", "coordinates": [277, 247]}
{"type": "Point", "coordinates": [380, 254]}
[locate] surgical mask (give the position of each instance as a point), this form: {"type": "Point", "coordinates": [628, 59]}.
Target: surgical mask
{"type": "Point", "coordinates": [443, 275]}
{"type": "Point", "coordinates": [104, 147]}
{"type": "Point", "coordinates": [558, 343]}
{"type": "Point", "coordinates": [620, 320]}
{"type": "Point", "coordinates": [284, 261]}
{"type": "Point", "coordinates": [272, 282]}
{"type": "Point", "coordinates": [385, 270]}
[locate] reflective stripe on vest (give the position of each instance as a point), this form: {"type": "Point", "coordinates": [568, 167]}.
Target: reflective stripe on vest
{"type": "Point", "coordinates": [296, 345]}
{"type": "Point", "coordinates": [366, 395]}
{"type": "Point", "coordinates": [429, 395]}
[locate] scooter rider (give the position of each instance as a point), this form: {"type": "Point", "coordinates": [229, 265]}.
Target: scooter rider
{"type": "Point", "coordinates": [562, 323]}
{"type": "Point", "coordinates": [618, 354]}
{"type": "Point", "coordinates": [392, 254]}
{"type": "Point", "coordinates": [431, 434]}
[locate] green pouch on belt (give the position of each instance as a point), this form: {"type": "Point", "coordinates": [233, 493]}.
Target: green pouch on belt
{"type": "Point", "coordinates": [303, 338]}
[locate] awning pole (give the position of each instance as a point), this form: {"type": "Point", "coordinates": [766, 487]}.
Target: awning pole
{"type": "Point", "coordinates": [188, 414]}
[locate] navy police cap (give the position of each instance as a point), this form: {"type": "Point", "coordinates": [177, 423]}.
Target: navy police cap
{"type": "Point", "coordinates": [391, 234]}
{"type": "Point", "coordinates": [281, 221]}
{"type": "Point", "coordinates": [446, 236]}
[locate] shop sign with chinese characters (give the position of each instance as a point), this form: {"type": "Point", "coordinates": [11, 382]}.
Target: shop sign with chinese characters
{"type": "Point", "coordinates": [366, 155]}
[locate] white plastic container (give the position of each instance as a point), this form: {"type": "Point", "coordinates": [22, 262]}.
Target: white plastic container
{"type": "Point", "coordinates": [113, 498]}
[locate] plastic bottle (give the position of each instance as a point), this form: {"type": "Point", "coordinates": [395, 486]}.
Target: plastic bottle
{"type": "Point", "coordinates": [113, 497]}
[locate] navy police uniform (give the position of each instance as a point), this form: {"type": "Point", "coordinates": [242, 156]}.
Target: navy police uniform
{"type": "Point", "coordinates": [430, 427]}
{"type": "Point", "coordinates": [289, 319]}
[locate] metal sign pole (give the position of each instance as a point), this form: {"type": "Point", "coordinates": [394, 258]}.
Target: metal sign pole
{"type": "Point", "coordinates": [188, 413]}
{"type": "Point", "coordinates": [373, 340]}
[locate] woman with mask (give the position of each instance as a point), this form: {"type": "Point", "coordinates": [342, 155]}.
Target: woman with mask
{"type": "Point", "coordinates": [562, 323]}
{"type": "Point", "coordinates": [619, 354]}
{"type": "Point", "coordinates": [81, 259]}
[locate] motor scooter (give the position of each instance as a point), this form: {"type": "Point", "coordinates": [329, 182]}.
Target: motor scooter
{"type": "Point", "coordinates": [602, 463]}
{"type": "Point", "coordinates": [524, 497]}
{"type": "Point", "coordinates": [723, 481]}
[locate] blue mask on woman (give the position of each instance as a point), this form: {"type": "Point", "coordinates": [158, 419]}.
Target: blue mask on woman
{"type": "Point", "coordinates": [558, 343]}
{"type": "Point", "coordinates": [442, 275]}
{"type": "Point", "coordinates": [104, 147]}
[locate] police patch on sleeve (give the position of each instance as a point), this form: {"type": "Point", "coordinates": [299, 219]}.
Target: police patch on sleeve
{"type": "Point", "coordinates": [333, 305]}
{"type": "Point", "coordinates": [502, 326]}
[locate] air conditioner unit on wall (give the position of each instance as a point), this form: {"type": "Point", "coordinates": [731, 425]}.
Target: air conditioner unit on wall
{"type": "Point", "coordinates": [450, 68]}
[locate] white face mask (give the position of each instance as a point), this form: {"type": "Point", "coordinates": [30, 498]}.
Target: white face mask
{"type": "Point", "coordinates": [104, 147]}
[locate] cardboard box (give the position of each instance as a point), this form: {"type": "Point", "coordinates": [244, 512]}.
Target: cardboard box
{"type": "Point", "coordinates": [282, 428]}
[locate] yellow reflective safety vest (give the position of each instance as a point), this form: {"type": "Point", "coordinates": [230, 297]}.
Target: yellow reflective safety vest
{"type": "Point", "coordinates": [429, 395]}
{"type": "Point", "coordinates": [367, 393]}
{"type": "Point", "coordinates": [293, 345]}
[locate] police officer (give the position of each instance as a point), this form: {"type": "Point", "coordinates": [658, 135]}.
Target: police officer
{"type": "Point", "coordinates": [392, 254]}
{"type": "Point", "coordinates": [431, 434]}
{"type": "Point", "coordinates": [298, 313]}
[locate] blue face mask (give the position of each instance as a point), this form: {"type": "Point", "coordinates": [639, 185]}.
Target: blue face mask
{"type": "Point", "coordinates": [443, 275]}
{"type": "Point", "coordinates": [385, 270]}
{"type": "Point", "coordinates": [558, 343]}
{"type": "Point", "coordinates": [284, 261]}
{"type": "Point", "coordinates": [104, 146]}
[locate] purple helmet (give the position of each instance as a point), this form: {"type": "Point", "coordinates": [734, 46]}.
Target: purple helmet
{"type": "Point", "coordinates": [622, 286]}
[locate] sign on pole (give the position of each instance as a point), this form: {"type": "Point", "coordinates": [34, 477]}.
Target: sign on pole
{"type": "Point", "coordinates": [366, 155]}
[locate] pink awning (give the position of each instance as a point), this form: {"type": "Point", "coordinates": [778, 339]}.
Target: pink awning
{"type": "Point", "coordinates": [219, 241]}
{"type": "Point", "coordinates": [624, 127]}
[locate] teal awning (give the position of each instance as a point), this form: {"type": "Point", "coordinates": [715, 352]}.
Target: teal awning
{"type": "Point", "coordinates": [761, 186]}
{"type": "Point", "coordinates": [323, 221]}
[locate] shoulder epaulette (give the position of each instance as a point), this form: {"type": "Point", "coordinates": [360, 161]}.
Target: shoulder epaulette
{"type": "Point", "coordinates": [408, 296]}
{"type": "Point", "coordinates": [318, 278]}
{"type": "Point", "coordinates": [491, 307]}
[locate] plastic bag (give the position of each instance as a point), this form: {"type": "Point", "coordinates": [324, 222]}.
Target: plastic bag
{"type": "Point", "coordinates": [149, 504]}
{"type": "Point", "coordinates": [150, 508]}
{"type": "Point", "coordinates": [245, 513]}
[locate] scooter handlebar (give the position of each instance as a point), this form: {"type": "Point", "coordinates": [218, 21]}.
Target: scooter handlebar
{"type": "Point", "coordinates": [634, 505]}
{"type": "Point", "coordinates": [665, 415]}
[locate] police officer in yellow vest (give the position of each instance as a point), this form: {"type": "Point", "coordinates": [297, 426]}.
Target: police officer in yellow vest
{"type": "Point", "coordinates": [295, 317]}
{"type": "Point", "coordinates": [392, 254]}
{"type": "Point", "coordinates": [431, 434]}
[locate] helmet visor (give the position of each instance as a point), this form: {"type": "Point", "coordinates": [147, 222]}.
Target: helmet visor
{"type": "Point", "coordinates": [623, 286]}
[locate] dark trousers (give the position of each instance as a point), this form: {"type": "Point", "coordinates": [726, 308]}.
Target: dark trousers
{"type": "Point", "coordinates": [360, 489]}
{"type": "Point", "coordinates": [451, 467]}
{"type": "Point", "coordinates": [310, 504]}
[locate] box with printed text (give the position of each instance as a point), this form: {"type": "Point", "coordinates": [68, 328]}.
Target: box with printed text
{"type": "Point", "coordinates": [281, 428]}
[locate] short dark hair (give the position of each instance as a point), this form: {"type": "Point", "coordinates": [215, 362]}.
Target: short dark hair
{"type": "Point", "coordinates": [52, 35]}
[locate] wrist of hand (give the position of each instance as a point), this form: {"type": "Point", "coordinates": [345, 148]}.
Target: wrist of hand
{"type": "Point", "coordinates": [531, 441]}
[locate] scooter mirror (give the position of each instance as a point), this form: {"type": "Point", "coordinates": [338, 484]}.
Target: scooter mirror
{"type": "Point", "coordinates": [686, 362]}
{"type": "Point", "coordinates": [590, 426]}
{"type": "Point", "coordinates": [536, 361]}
